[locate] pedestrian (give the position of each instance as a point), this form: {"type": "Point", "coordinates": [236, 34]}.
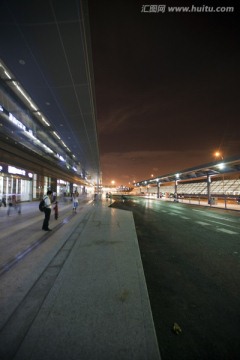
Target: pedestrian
{"type": "Point", "coordinates": [75, 201]}
{"type": "Point", "coordinates": [10, 204]}
{"type": "Point", "coordinates": [47, 210]}
{"type": "Point", "coordinates": [56, 210]}
{"type": "Point", "coordinates": [14, 204]}
{"type": "Point", "coordinates": [4, 201]}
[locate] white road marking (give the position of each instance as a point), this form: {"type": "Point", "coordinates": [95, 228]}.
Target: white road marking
{"type": "Point", "coordinates": [217, 222]}
{"type": "Point", "coordinates": [230, 232]}
{"type": "Point", "coordinates": [214, 216]}
{"type": "Point", "coordinates": [202, 223]}
{"type": "Point", "coordinates": [227, 231]}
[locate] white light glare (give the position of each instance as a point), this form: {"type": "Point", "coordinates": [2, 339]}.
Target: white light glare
{"type": "Point", "coordinates": [221, 166]}
{"type": "Point", "coordinates": [60, 157]}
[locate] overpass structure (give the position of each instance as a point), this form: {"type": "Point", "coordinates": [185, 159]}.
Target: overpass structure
{"type": "Point", "coordinates": [219, 178]}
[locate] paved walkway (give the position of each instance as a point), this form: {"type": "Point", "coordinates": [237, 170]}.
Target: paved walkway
{"type": "Point", "coordinates": [88, 299]}
{"type": "Point", "coordinates": [97, 307]}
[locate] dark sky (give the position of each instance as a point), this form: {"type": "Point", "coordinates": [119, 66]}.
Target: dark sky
{"type": "Point", "coordinates": [167, 87]}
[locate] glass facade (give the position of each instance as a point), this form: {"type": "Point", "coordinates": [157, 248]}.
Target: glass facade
{"type": "Point", "coordinates": [13, 185]}
{"type": "Point", "coordinates": [23, 184]}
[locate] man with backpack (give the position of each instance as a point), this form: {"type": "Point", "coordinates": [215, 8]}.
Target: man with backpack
{"type": "Point", "coordinates": [47, 210]}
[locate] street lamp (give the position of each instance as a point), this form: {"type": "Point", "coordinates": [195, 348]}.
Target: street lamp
{"type": "Point", "coordinates": [217, 154]}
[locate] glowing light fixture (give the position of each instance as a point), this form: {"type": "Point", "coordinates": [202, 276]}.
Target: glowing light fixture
{"type": "Point", "coordinates": [54, 132]}
{"type": "Point", "coordinates": [221, 166]}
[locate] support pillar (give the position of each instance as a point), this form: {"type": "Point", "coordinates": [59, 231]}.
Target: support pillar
{"type": "Point", "coordinates": [158, 190]}
{"type": "Point", "coordinates": [209, 188]}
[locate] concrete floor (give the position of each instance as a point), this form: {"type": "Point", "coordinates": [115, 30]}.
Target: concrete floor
{"type": "Point", "coordinates": [81, 293]}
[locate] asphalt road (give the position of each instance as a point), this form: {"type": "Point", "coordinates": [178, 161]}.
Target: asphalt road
{"type": "Point", "coordinates": [191, 260]}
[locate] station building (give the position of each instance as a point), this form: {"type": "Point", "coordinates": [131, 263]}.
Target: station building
{"type": "Point", "coordinates": [48, 132]}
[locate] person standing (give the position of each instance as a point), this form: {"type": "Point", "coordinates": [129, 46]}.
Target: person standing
{"type": "Point", "coordinates": [47, 211]}
{"type": "Point", "coordinates": [75, 201]}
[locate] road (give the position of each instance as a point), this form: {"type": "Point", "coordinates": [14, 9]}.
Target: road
{"type": "Point", "coordinates": [191, 260]}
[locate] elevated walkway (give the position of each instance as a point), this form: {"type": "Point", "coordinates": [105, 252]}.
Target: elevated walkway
{"type": "Point", "coordinates": [97, 307]}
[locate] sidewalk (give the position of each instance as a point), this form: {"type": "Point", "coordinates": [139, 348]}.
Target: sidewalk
{"type": "Point", "coordinates": [98, 307]}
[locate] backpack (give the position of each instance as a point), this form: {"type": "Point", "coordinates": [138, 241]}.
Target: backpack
{"type": "Point", "coordinates": [42, 205]}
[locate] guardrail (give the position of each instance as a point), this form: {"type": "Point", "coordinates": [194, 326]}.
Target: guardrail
{"type": "Point", "coordinates": [221, 201]}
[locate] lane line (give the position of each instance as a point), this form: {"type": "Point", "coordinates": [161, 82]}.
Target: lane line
{"type": "Point", "coordinates": [220, 223]}
{"type": "Point", "coordinates": [202, 223]}
{"type": "Point", "coordinates": [214, 216]}
{"type": "Point", "coordinates": [227, 231]}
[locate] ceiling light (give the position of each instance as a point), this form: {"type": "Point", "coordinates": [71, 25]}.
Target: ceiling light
{"type": "Point", "coordinates": [54, 132]}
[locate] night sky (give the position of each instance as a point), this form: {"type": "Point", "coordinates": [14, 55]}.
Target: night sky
{"type": "Point", "coordinates": [167, 87]}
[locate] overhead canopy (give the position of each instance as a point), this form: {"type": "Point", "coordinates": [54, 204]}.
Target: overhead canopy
{"type": "Point", "coordinates": [46, 46]}
{"type": "Point", "coordinates": [227, 166]}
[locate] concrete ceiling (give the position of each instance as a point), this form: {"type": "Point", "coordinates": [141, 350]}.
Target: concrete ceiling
{"type": "Point", "coordinates": [46, 46]}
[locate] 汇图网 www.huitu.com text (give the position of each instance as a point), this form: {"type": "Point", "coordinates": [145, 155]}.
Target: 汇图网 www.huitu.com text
{"type": "Point", "coordinates": [186, 9]}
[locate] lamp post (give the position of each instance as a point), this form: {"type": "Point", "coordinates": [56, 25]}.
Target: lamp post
{"type": "Point", "coordinates": [221, 167]}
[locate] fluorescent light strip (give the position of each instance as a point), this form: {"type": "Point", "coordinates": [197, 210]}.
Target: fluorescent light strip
{"type": "Point", "coordinates": [7, 74]}
{"type": "Point", "coordinates": [54, 132]}
{"type": "Point", "coordinates": [37, 111]}
{"type": "Point", "coordinates": [25, 96]}
{"type": "Point", "coordinates": [63, 143]}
